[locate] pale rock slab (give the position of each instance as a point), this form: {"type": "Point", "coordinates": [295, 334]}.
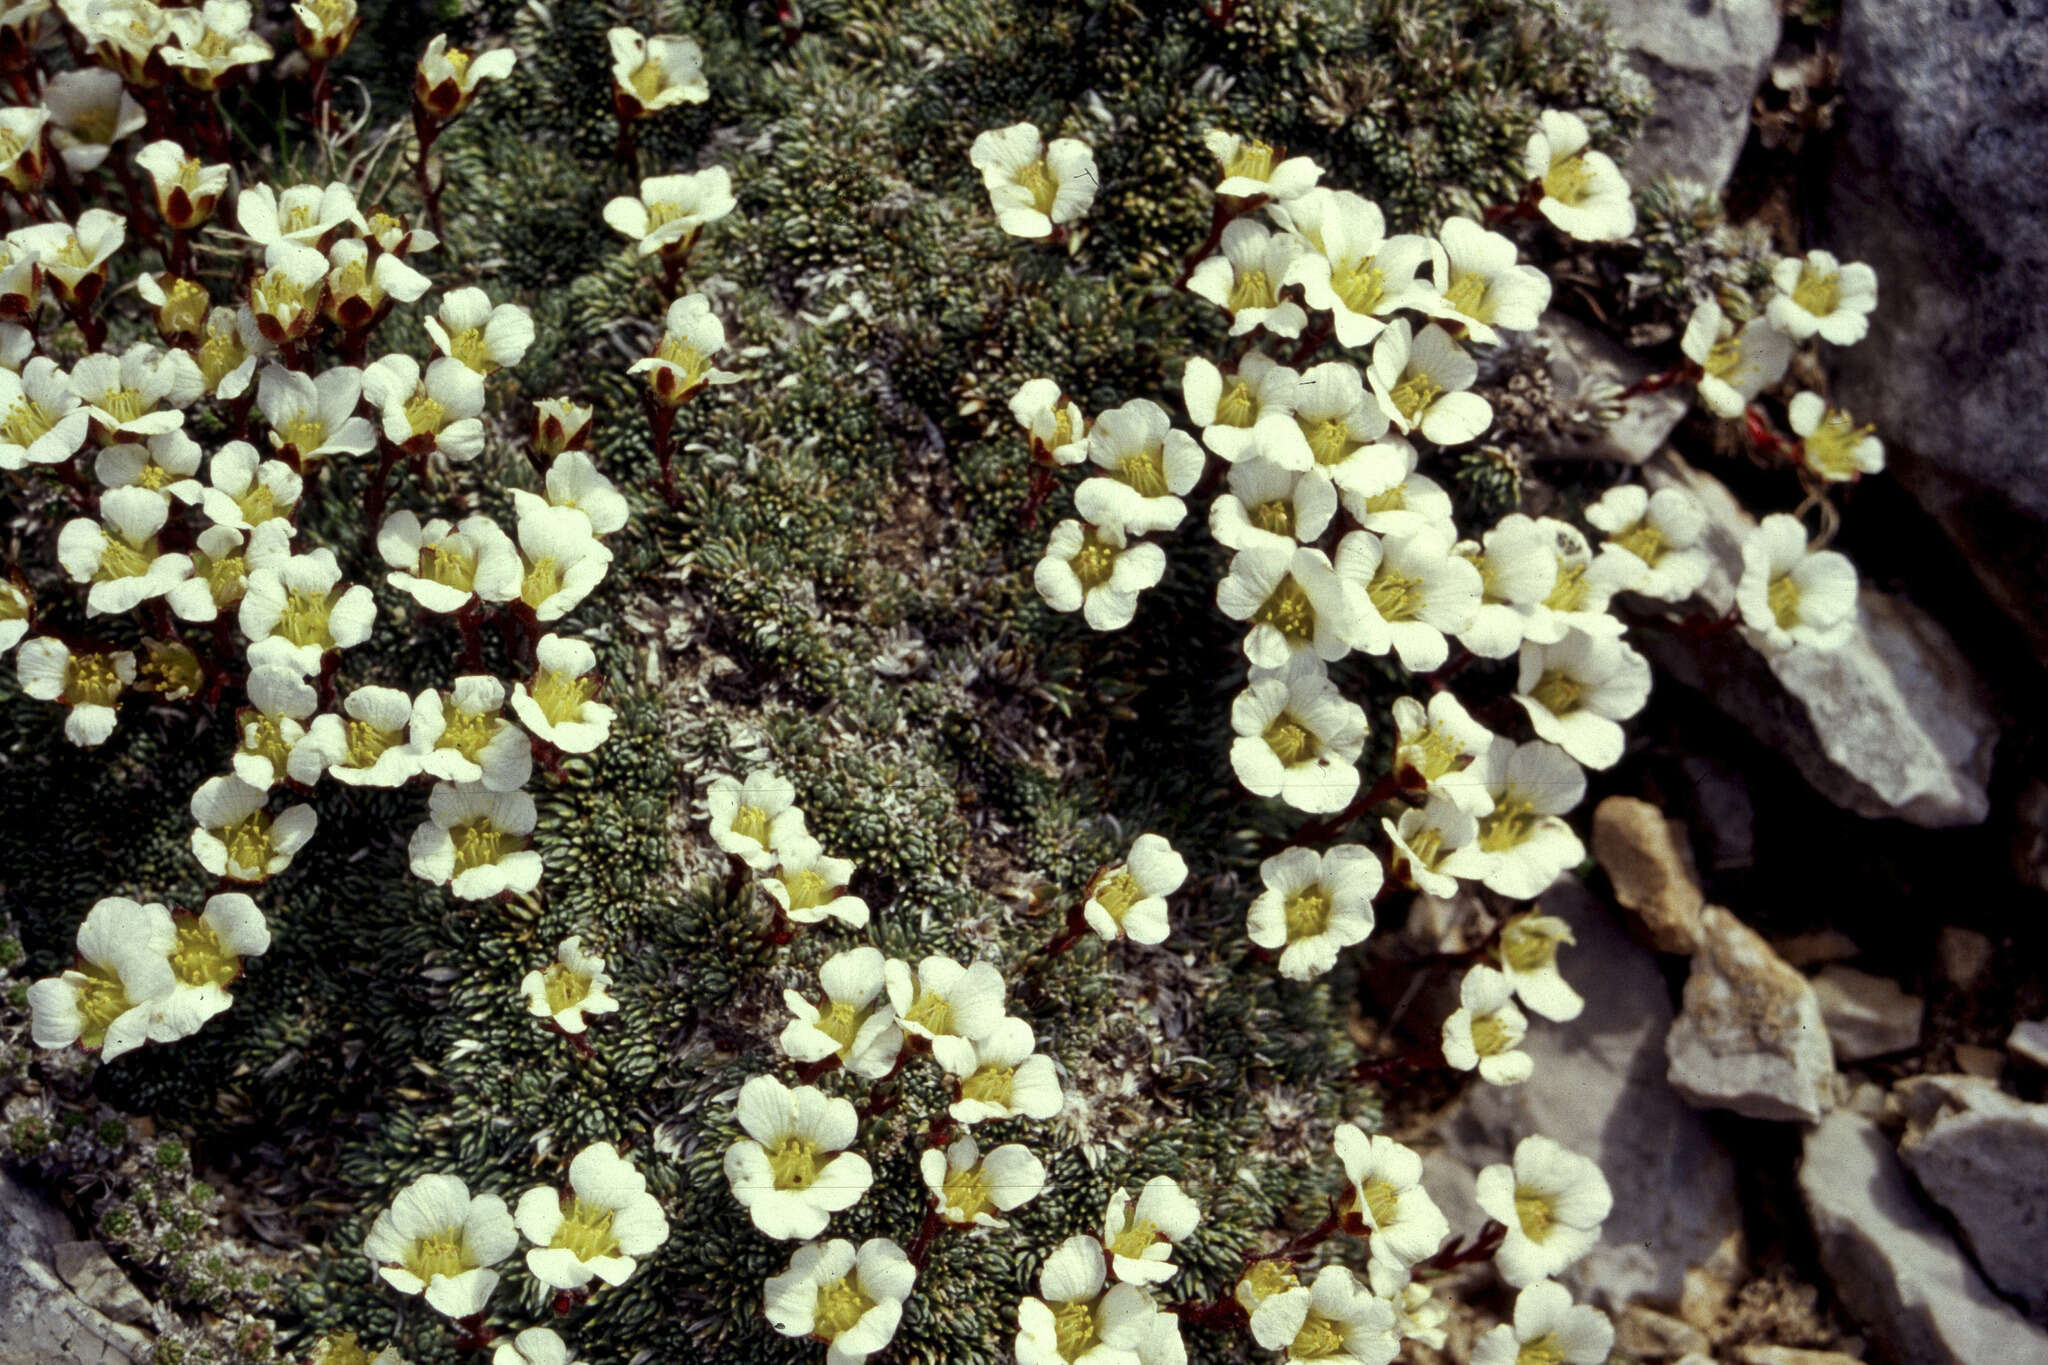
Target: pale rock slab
{"type": "Point", "coordinates": [1649, 862]}
{"type": "Point", "coordinates": [42, 1321]}
{"type": "Point", "coordinates": [1983, 1156]}
{"type": "Point", "coordinates": [1749, 1035]}
{"type": "Point", "coordinates": [1867, 1016]}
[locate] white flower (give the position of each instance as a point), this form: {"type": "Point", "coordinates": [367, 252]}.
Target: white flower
{"type": "Point", "coordinates": [1443, 749]}
{"type": "Point", "coordinates": [1335, 1319]}
{"type": "Point", "coordinates": [1034, 187]}
{"type": "Point", "coordinates": [1270, 505]}
{"type": "Point", "coordinates": [206, 960]}
{"type": "Point", "coordinates": [1228, 412]}
{"type": "Point", "coordinates": [439, 1238]}
{"type": "Point", "coordinates": [657, 73]}
{"type": "Point", "coordinates": [24, 155]}
{"type": "Point", "coordinates": [1295, 601]}
{"type": "Point", "coordinates": [945, 999]}
{"type": "Point", "coordinates": [1436, 845]}
{"type": "Point", "coordinates": [850, 1300]}
{"type": "Point", "coordinates": [485, 338]}
{"type": "Point", "coordinates": [1819, 295]}
{"type": "Point", "coordinates": [1415, 593]}
{"type": "Point", "coordinates": [118, 555]}
{"type": "Point", "coordinates": [852, 1022]}
{"type": "Point", "coordinates": [1584, 193]}
{"type": "Point", "coordinates": [446, 79]}
{"type": "Point", "coordinates": [1486, 1029]}
{"type": "Point", "coordinates": [672, 209]}
{"type": "Point", "coordinates": [1662, 532]}
{"type": "Point", "coordinates": [166, 464]}
{"type": "Point", "coordinates": [1790, 594]}
{"type": "Point", "coordinates": [437, 411]}
{"type": "Point", "coordinates": [1528, 958]}
{"type": "Point", "coordinates": [90, 110]}
{"type": "Point", "coordinates": [1329, 425]}
{"type": "Point", "coordinates": [465, 737]}
{"type": "Point", "coordinates": [573, 482]}
{"type": "Point", "coordinates": [285, 299]}
{"type": "Point", "coordinates": [1298, 738]}
{"type": "Point", "coordinates": [368, 749]}
{"type": "Point", "coordinates": [999, 1075]}
{"type": "Point", "coordinates": [597, 1227]}
{"type": "Point", "coordinates": [1583, 587]}
{"type": "Point", "coordinates": [89, 684]}
{"type": "Point", "coordinates": [1354, 270]}
{"type": "Point", "coordinates": [1387, 496]}
{"type": "Point", "coordinates": [1058, 428]}
{"type": "Point", "coordinates": [273, 725]}
{"type": "Point", "coordinates": [1314, 906]}
{"type": "Point", "coordinates": [681, 363]}
{"type": "Point", "coordinates": [573, 985]}
{"type": "Point", "coordinates": [238, 839]}
{"type": "Point", "coordinates": [221, 565]}
{"type": "Point", "coordinates": [1553, 1203]}
{"type": "Point", "coordinates": [1532, 785]}
{"type": "Point", "coordinates": [1831, 444]}
{"type": "Point", "coordinates": [1481, 285]}
{"type": "Point", "coordinates": [535, 1345]}
{"type": "Point", "coordinates": [125, 395]}
{"type": "Point", "coordinates": [1245, 278]}
{"type": "Point", "coordinates": [747, 816]}
{"type": "Point", "coordinates": [1128, 899]}
{"type": "Point", "coordinates": [475, 841]}
{"type": "Point", "coordinates": [561, 425]}
{"type": "Point", "coordinates": [1420, 380]}
{"type": "Point", "coordinates": [792, 1172]}
{"type": "Point", "coordinates": [1516, 574]}
{"type": "Point", "coordinates": [297, 610]}
{"type": "Point", "coordinates": [1548, 1327]}
{"type": "Point", "coordinates": [1098, 571]}
{"type": "Point", "coordinates": [561, 560]}
{"type": "Point", "coordinates": [246, 491]}
{"type": "Point", "coordinates": [1139, 1240]}
{"type": "Point", "coordinates": [558, 709]}
{"type": "Point", "coordinates": [1252, 168]}
{"type": "Point", "coordinates": [810, 887]}
{"type": "Point", "coordinates": [186, 188]}
{"type": "Point", "coordinates": [967, 1182]}
{"type": "Point", "coordinates": [1147, 464]}
{"type": "Point", "coordinates": [213, 42]}
{"type": "Point", "coordinates": [15, 608]}
{"type": "Point", "coordinates": [74, 259]}
{"type": "Point", "coordinates": [108, 1000]}
{"type": "Point", "coordinates": [42, 420]}
{"type": "Point", "coordinates": [324, 29]}
{"type": "Point", "coordinates": [1387, 1197]}
{"type": "Point", "coordinates": [361, 291]}
{"type": "Point", "coordinates": [1418, 1313]}
{"type": "Point", "coordinates": [1579, 690]}
{"type": "Point", "coordinates": [1735, 366]}
{"type": "Point", "coordinates": [444, 568]}
{"type": "Point", "coordinates": [309, 215]}
{"type": "Point", "coordinates": [1076, 1322]}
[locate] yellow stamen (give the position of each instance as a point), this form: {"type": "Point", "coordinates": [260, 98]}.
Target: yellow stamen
{"type": "Point", "coordinates": [586, 1231]}
{"type": "Point", "coordinates": [1118, 894]}
{"type": "Point", "coordinates": [1237, 407]}
{"type": "Point", "coordinates": [1290, 741]}
{"type": "Point", "coordinates": [990, 1085]}
{"type": "Point", "coordinates": [1783, 600]}
{"type": "Point", "coordinates": [439, 1253]}
{"type": "Point", "coordinates": [199, 959]}
{"type": "Point", "coordinates": [90, 680]}
{"type": "Point", "coordinates": [560, 696]}
{"type": "Point", "coordinates": [1558, 692]}
{"type": "Point", "coordinates": [1288, 610]}
{"type": "Point", "coordinates": [793, 1163]}
{"type": "Point", "coordinates": [1416, 393]}
{"type": "Point", "coordinates": [965, 1193]}
{"type": "Point", "coordinates": [1398, 596]}
{"type": "Point", "coordinates": [841, 1304]}
{"type": "Point", "coordinates": [1253, 289]}
{"type": "Point", "coordinates": [1534, 1212]}
{"type": "Point", "coordinates": [1468, 296]}
{"type": "Point", "coordinates": [1307, 914]}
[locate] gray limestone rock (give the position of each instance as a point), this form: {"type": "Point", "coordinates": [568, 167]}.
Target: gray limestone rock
{"type": "Point", "coordinates": [42, 1321]}
{"type": "Point", "coordinates": [1749, 1036]}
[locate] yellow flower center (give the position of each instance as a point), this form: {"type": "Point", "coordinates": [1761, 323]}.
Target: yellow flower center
{"type": "Point", "coordinates": [990, 1085]}
{"type": "Point", "coordinates": [807, 890]}
{"type": "Point", "coordinates": [932, 1011]}
{"type": "Point", "coordinates": [1330, 440]}
{"type": "Point", "coordinates": [352, 281]}
{"type": "Point", "coordinates": [1570, 591]}
{"type": "Point", "coordinates": [124, 405]}
{"type": "Point", "coordinates": [1290, 741]}
{"type": "Point", "coordinates": [1134, 1240]}
{"type": "Point", "coordinates": [11, 147]}
{"type": "Point", "coordinates": [424, 414]}
{"type": "Point", "coordinates": [1426, 846]}
{"type": "Point", "coordinates": [199, 959]}
{"type": "Point", "coordinates": [248, 844]}
{"type": "Point", "coordinates": [841, 1023]}
{"type": "Point", "coordinates": [563, 987]}
{"type": "Point", "coordinates": [692, 362]}
{"type": "Point", "coordinates": [751, 822]}
{"type": "Point", "coordinates": [1528, 945]}
{"type": "Point", "coordinates": [258, 504]}
{"type": "Point", "coordinates": [661, 212]}
{"type": "Point", "coordinates": [172, 670]}
{"type": "Point", "coordinates": [27, 422]}
{"type": "Point", "coordinates": [304, 618]}
{"type": "Point", "coordinates": [1818, 291]}
{"type": "Point", "coordinates": [1253, 289]}
{"type": "Point", "coordinates": [543, 580]}
{"type": "Point", "coordinates": [1253, 160]}
{"type": "Point", "coordinates": [1267, 1278]}
{"type": "Point", "coordinates": [280, 296]}
{"type": "Point", "coordinates": [1307, 914]}
{"type": "Point", "coordinates": [468, 347]}
{"type": "Point", "coordinates": [1145, 471]}
{"type": "Point", "coordinates": [965, 1193]}
{"type": "Point", "coordinates": [646, 80]}
{"type": "Point", "coordinates": [367, 743]}
{"type": "Point", "coordinates": [1038, 179]}
{"type": "Point", "coordinates": [439, 1253]}
{"type": "Point", "coordinates": [119, 559]}
{"type": "Point", "coordinates": [1724, 356]}
{"type": "Point", "coordinates": [793, 1162]}
{"type": "Point", "coordinates": [305, 433]}
{"type": "Point", "coordinates": [841, 1304]}
{"type": "Point", "coordinates": [449, 565]}
{"type": "Point", "coordinates": [72, 254]}
{"type": "Point", "coordinates": [1075, 1329]}
{"type": "Point", "coordinates": [468, 732]}
{"type": "Point", "coordinates": [1569, 180]}
{"type": "Point", "coordinates": [1831, 448]}
{"type": "Point", "coordinates": [154, 476]}
{"type": "Point", "coordinates": [1642, 540]}
{"type": "Point", "coordinates": [1416, 393]}
{"type": "Point", "coordinates": [1318, 1339]}
{"type": "Point", "coordinates": [219, 354]}
{"type": "Point", "coordinates": [1062, 426]}
{"type": "Point", "coordinates": [90, 680]}
{"type": "Point", "coordinates": [1512, 820]}
{"type": "Point", "coordinates": [1118, 894]}
{"type": "Point", "coordinates": [1398, 596]}
{"type": "Point", "coordinates": [264, 737]}
{"type": "Point", "coordinates": [1489, 1036]}
{"type": "Point", "coordinates": [1544, 1350]}
{"type": "Point", "coordinates": [1360, 284]}
{"type": "Point", "coordinates": [1288, 610]}
{"type": "Point", "coordinates": [184, 307]}
{"type": "Point", "coordinates": [560, 696]}
{"type": "Point", "coordinates": [1276, 516]}
{"type": "Point", "coordinates": [13, 605]}
{"type": "Point", "coordinates": [101, 1000]}
{"type": "Point", "coordinates": [96, 125]}
{"type": "Point", "coordinates": [187, 178]}
{"type": "Point", "coordinates": [1534, 1212]}
{"type": "Point", "coordinates": [1237, 407]}
{"type": "Point", "coordinates": [1783, 600]}
{"type": "Point", "coordinates": [1094, 564]}
{"type": "Point", "coordinates": [341, 1349]}
{"type": "Point", "coordinates": [1380, 1199]}
{"type": "Point", "coordinates": [1558, 692]}
{"type": "Point", "coordinates": [1432, 753]}
{"type": "Point", "coordinates": [458, 62]}
{"type": "Point", "coordinates": [1468, 296]}
{"type": "Point", "coordinates": [296, 217]}
{"type": "Point", "coordinates": [482, 844]}
{"type": "Point", "coordinates": [586, 1231]}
